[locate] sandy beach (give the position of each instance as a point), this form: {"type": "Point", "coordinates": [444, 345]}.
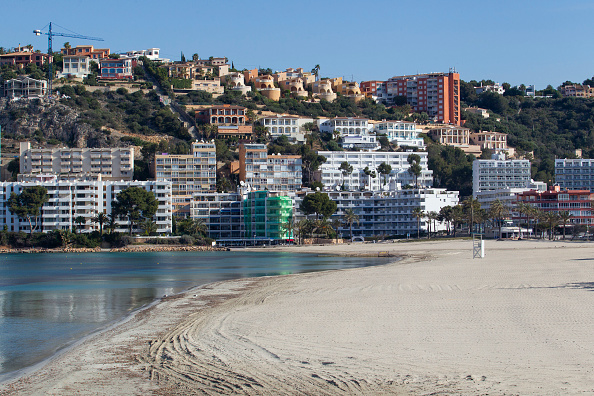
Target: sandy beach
{"type": "Point", "coordinates": [518, 321]}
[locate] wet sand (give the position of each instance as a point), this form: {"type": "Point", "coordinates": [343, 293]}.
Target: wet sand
{"type": "Point", "coordinates": [516, 322]}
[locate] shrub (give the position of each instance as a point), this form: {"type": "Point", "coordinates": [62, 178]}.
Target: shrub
{"type": "Point", "coordinates": [186, 240]}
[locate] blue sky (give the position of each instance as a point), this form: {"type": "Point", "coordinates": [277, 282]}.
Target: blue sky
{"type": "Point", "coordinates": [530, 42]}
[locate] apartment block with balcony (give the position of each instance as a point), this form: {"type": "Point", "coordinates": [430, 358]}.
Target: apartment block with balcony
{"type": "Point", "coordinates": [577, 202]}
{"type": "Point", "coordinates": [322, 89]}
{"type": "Point", "coordinates": [78, 66]}
{"type": "Point", "coordinates": [437, 94]}
{"type": "Point", "coordinates": [575, 174]}
{"type": "Point", "coordinates": [222, 215]}
{"type": "Point", "coordinates": [81, 163]}
{"type": "Point", "coordinates": [24, 88]}
{"type": "Point", "coordinates": [402, 133]}
{"type": "Point", "coordinates": [265, 214]}
{"type": "Point", "coordinates": [273, 172]}
{"type": "Point", "coordinates": [188, 174]}
{"type": "Point", "coordinates": [331, 176]}
{"type": "Point", "coordinates": [87, 50]}
{"type": "Point", "coordinates": [236, 82]}
{"type": "Point", "coordinates": [285, 125]}
{"type": "Point", "coordinates": [346, 126]}
{"type": "Point", "coordinates": [69, 200]}
{"type": "Point", "coordinates": [457, 136]}
{"type": "Point", "coordinates": [577, 91]}
{"type": "Point", "coordinates": [116, 69]}
{"type": "Point", "coordinates": [22, 56]}
{"type": "Point", "coordinates": [222, 115]}
{"type": "Point", "coordinates": [494, 141]}
{"type": "Point", "coordinates": [351, 90]}
{"type": "Point", "coordinates": [295, 86]}
{"type": "Point", "coordinates": [388, 213]}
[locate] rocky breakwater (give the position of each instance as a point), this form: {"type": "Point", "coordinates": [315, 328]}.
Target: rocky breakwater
{"type": "Point", "coordinates": [44, 250]}
{"type": "Point", "coordinates": [167, 248]}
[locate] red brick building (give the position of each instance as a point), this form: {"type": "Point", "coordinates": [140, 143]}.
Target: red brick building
{"type": "Point", "coordinates": [576, 202]}
{"type": "Point", "coordinates": [369, 88]}
{"type": "Point", "coordinates": [437, 94]}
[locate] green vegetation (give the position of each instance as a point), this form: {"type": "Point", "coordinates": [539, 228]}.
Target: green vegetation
{"type": "Point", "coordinates": [135, 204]}
{"type": "Point", "coordinates": [319, 204]}
{"type": "Point", "coordinates": [27, 205]}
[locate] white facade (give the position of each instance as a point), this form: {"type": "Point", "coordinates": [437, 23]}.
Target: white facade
{"type": "Point", "coordinates": [498, 88]}
{"type": "Point", "coordinates": [365, 142]}
{"type": "Point", "coordinates": [332, 178]}
{"type": "Point", "coordinates": [345, 126]}
{"type": "Point", "coordinates": [68, 200]}
{"type": "Point", "coordinates": [388, 214]}
{"type": "Point", "coordinates": [236, 82]}
{"type": "Point", "coordinates": [403, 133]}
{"type": "Point", "coordinates": [506, 195]}
{"type": "Point", "coordinates": [111, 163]}
{"type": "Point", "coordinates": [151, 53]}
{"type": "Point", "coordinates": [76, 66]}
{"type": "Point", "coordinates": [289, 126]}
{"type": "Point", "coordinates": [575, 174]}
{"type": "Point", "coordinates": [499, 174]}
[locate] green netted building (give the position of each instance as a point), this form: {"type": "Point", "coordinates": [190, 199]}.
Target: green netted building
{"type": "Point", "coordinates": [266, 215]}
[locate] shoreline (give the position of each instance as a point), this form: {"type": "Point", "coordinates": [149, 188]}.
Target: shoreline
{"type": "Point", "coordinates": [125, 249]}
{"type": "Point", "coordinates": [173, 339]}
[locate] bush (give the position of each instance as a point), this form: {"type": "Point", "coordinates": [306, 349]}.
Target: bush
{"type": "Point", "coordinates": [186, 240]}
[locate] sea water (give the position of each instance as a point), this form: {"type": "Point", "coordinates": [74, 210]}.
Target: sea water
{"type": "Point", "coordinates": [50, 300]}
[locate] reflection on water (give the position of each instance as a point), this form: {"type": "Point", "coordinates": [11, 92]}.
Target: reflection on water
{"type": "Point", "coordinates": [50, 300]}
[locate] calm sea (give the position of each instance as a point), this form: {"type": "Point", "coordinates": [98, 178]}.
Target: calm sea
{"type": "Point", "coordinates": [48, 301]}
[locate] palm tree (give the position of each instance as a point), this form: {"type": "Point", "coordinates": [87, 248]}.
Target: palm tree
{"type": "Point", "coordinates": [457, 216]}
{"type": "Point", "coordinates": [316, 71]}
{"type": "Point", "coordinates": [552, 220]}
{"type": "Point", "coordinates": [288, 228]}
{"type": "Point", "coordinates": [149, 226]}
{"type": "Point", "coordinates": [336, 223]}
{"type": "Point", "coordinates": [100, 219]}
{"type": "Point", "coordinates": [80, 221]}
{"type": "Point", "coordinates": [473, 212]}
{"type": "Point", "coordinates": [523, 209]}
{"type": "Point", "coordinates": [349, 218]}
{"type": "Point", "coordinates": [564, 217]}
{"type": "Point", "coordinates": [418, 214]}
{"type": "Point", "coordinates": [432, 216]}
{"type": "Point", "coordinates": [497, 212]}
{"type": "Point", "coordinates": [445, 215]}
{"type": "Point", "coordinates": [111, 224]}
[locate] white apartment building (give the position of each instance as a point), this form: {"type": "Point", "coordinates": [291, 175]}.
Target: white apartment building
{"type": "Point", "coordinates": [388, 214]}
{"type": "Point", "coordinates": [68, 200]}
{"type": "Point", "coordinates": [575, 174]}
{"type": "Point", "coordinates": [495, 174]}
{"type": "Point", "coordinates": [290, 126]}
{"type": "Point", "coordinates": [331, 176]}
{"type": "Point", "coordinates": [345, 125]}
{"type": "Point", "coordinates": [112, 163]}
{"type": "Point", "coordinates": [75, 66]}
{"type": "Point", "coordinates": [497, 88]}
{"type": "Point", "coordinates": [151, 53]}
{"type": "Point", "coordinates": [365, 142]}
{"type": "Point", "coordinates": [403, 133]}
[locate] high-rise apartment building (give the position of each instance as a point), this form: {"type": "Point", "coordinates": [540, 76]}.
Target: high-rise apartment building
{"type": "Point", "coordinates": [575, 174]}
{"type": "Point", "coordinates": [85, 198]}
{"type": "Point", "coordinates": [84, 163]}
{"type": "Point", "coordinates": [274, 172]}
{"type": "Point", "coordinates": [188, 173]}
{"type": "Point", "coordinates": [437, 94]}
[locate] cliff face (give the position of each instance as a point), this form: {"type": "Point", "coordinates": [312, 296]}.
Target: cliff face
{"type": "Point", "coordinates": [22, 120]}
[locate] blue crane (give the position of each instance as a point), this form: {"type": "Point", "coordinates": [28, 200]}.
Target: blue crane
{"type": "Point", "coordinates": [50, 36]}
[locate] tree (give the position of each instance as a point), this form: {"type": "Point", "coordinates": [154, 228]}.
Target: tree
{"type": "Point", "coordinates": [346, 169]}
{"type": "Point", "coordinates": [473, 212]}
{"type": "Point", "coordinates": [457, 217]}
{"type": "Point", "coordinates": [316, 71]}
{"type": "Point", "coordinates": [149, 226]}
{"type": "Point", "coordinates": [195, 57]}
{"type": "Point", "coordinates": [497, 212]}
{"type": "Point", "coordinates": [446, 215]}
{"type": "Point", "coordinates": [319, 204]}
{"type": "Point", "coordinates": [418, 214]}
{"type": "Point", "coordinates": [369, 173]}
{"type": "Point", "coordinates": [552, 220]}
{"type": "Point", "coordinates": [135, 204]}
{"type": "Point", "coordinates": [67, 45]}
{"type": "Point", "coordinates": [432, 217]}
{"type": "Point", "coordinates": [349, 218]}
{"type": "Point", "coordinates": [80, 222]}
{"type": "Point", "coordinates": [415, 167]}
{"type": "Point", "coordinates": [100, 219]}
{"type": "Point", "coordinates": [311, 161]}
{"type": "Point", "coordinates": [564, 218]}
{"type": "Point", "coordinates": [288, 228]}
{"type": "Point", "coordinates": [384, 169]}
{"type": "Point", "coordinates": [27, 205]}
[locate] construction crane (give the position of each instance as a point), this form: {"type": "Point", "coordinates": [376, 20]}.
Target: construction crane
{"type": "Point", "coordinates": [50, 35]}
